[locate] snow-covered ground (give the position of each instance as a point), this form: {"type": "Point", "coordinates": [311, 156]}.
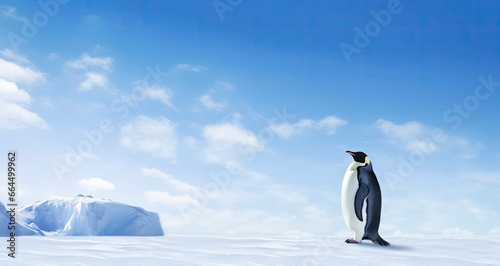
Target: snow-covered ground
{"type": "Point", "coordinates": [209, 250]}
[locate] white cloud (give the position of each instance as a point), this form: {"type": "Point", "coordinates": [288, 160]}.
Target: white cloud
{"type": "Point", "coordinates": [415, 136]}
{"type": "Point", "coordinates": [468, 149]}
{"type": "Point", "coordinates": [330, 124]}
{"type": "Point", "coordinates": [181, 195]}
{"type": "Point", "coordinates": [199, 212]}
{"type": "Point", "coordinates": [95, 184]}
{"type": "Point", "coordinates": [466, 206]}
{"type": "Point", "coordinates": [52, 56]}
{"type": "Point", "coordinates": [9, 54]}
{"type": "Point", "coordinates": [207, 101]}
{"type": "Point", "coordinates": [257, 177]}
{"type": "Point", "coordinates": [93, 80]}
{"type": "Point", "coordinates": [221, 221]}
{"type": "Point", "coordinates": [143, 92]}
{"type": "Point", "coordinates": [222, 86]}
{"type": "Point", "coordinates": [160, 95]}
{"type": "Point", "coordinates": [86, 155]}
{"type": "Point", "coordinates": [408, 130]}
{"type": "Point", "coordinates": [494, 231]}
{"type": "Point", "coordinates": [457, 231]}
{"type": "Point", "coordinates": [166, 198]}
{"type": "Point", "coordinates": [86, 61]}
{"type": "Point", "coordinates": [250, 221]}
{"type": "Point", "coordinates": [191, 142]}
{"type": "Point", "coordinates": [19, 74]}
{"type": "Point", "coordinates": [314, 213]}
{"type": "Point", "coordinates": [441, 213]}
{"type": "Point", "coordinates": [46, 102]}
{"type": "Point", "coordinates": [13, 101]}
{"type": "Point", "coordinates": [157, 93]}
{"type": "Point", "coordinates": [482, 176]}
{"type": "Point", "coordinates": [169, 180]}
{"type": "Point", "coordinates": [287, 130]}
{"type": "Point", "coordinates": [13, 114]}
{"type": "Point", "coordinates": [193, 68]}
{"type": "Point", "coordinates": [232, 134]}
{"type": "Point", "coordinates": [229, 142]}
{"type": "Point", "coordinates": [97, 48]}
{"type": "Point", "coordinates": [11, 93]}
{"type": "Point", "coordinates": [283, 194]}
{"type": "Point", "coordinates": [153, 135]}
{"type": "Point", "coordinates": [412, 135]}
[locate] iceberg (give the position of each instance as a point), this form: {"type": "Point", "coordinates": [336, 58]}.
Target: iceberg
{"type": "Point", "coordinates": [20, 226]}
{"type": "Point", "coordinates": [82, 216]}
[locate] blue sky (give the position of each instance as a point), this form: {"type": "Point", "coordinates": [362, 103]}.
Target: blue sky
{"type": "Point", "coordinates": [233, 117]}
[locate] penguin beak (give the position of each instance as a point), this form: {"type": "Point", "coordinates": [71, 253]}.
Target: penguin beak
{"type": "Point", "coordinates": [351, 153]}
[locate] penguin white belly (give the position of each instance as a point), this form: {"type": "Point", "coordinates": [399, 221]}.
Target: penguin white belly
{"type": "Point", "coordinates": [350, 186]}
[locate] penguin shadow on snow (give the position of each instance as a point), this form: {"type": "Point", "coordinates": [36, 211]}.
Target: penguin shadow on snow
{"type": "Point", "coordinates": [393, 246]}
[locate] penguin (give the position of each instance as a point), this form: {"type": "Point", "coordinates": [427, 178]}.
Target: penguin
{"type": "Point", "coordinates": [362, 200]}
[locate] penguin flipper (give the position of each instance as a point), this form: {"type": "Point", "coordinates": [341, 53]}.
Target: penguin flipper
{"type": "Point", "coordinates": [359, 199]}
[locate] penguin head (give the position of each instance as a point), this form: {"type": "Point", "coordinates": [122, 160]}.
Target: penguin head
{"type": "Point", "coordinates": [359, 156]}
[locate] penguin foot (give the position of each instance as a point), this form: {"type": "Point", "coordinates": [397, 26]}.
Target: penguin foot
{"type": "Point", "coordinates": [381, 242]}
{"type": "Point", "coordinates": [350, 241]}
